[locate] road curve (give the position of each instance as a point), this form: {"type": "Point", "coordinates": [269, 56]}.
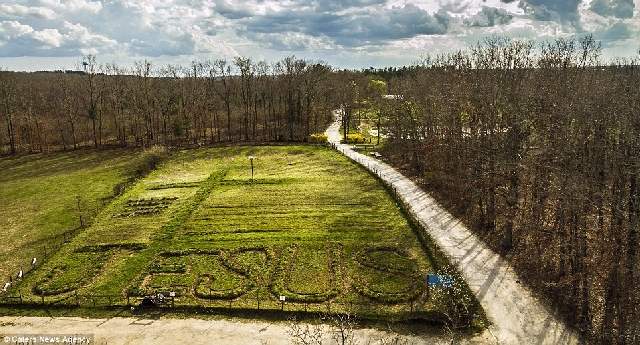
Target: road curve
{"type": "Point", "coordinates": [517, 317]}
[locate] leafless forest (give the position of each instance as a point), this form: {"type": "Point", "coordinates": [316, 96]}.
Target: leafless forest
{"type": "Point", "coordinates": [207, 102]}
{"type": "Point", "coordinates": [536, 147]}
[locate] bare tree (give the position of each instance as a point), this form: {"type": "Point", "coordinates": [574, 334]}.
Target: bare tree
{"type": "Point", "coordinates": [145, 101]}
{"type": "Point", "coordinates": [8, 93]}
{"type": "Point", "coordinates": [90, 68]}
{"type": "Point", "coordinates": [305, 333]}
{"type": "Point", "coordinates": [247, 74]}
{"type": "Point", "coordinates": [532, 148]}
{"type": "Point", "coordinates": [222, 70]}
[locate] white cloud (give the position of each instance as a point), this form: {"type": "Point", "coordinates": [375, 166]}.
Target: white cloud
{"type": "Point", "coordinates": [48, 37]}
{"type": "Point", "coordinates": [369, 32]}
{"type": "Point", "coordinates": [17, 11]}
{"type": "Point", "coordinates": [12, 29]}
{"type": "Point", "coordinates": [489, 17]}
{"type": "Point", "coordinates": [69, 40]}
{"type": "Point", "coordinates": [84, 38]}
{"type": "Point", "coordinates": [72, 5]}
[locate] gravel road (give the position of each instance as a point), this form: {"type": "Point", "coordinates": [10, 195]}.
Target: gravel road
{"type": "Point", "coordinates": [517, 316]}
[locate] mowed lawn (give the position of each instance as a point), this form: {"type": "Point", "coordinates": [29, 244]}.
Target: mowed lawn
{"type": "Point", "coordinates": [39, 198]}
{"type": "Point", "coordinates": [310, 226]}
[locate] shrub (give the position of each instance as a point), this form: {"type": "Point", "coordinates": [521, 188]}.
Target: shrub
{"type": "Point", "coordinates": [187, 252]}
{"type": "Point", "coordinates": [148, 161]}
{"type": "Point", "coordinates": [101, 248]}
{"type": "Point", "coordinates": [456, 302]}
{"type": "Point", "coordinates": [355, 138]}
{"type": "Point", "coordinates": [154, 155]}
{"type": "Point", "coordinates": [318, 138]}
{"type": "Point", "coordinates": [175, 185]}
{"type": "Point", "coordinates": [387, 297]}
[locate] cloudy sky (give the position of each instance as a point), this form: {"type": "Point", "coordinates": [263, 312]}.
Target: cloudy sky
{"type": "Point", "coordinates": [53, 34]}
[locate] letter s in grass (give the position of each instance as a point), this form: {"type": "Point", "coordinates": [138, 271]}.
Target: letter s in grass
{"type": "Point", "coordinates": [388, 275]}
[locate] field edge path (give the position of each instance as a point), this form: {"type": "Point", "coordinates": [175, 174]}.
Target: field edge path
{"type": "Point", "coordinates": [516, 315]}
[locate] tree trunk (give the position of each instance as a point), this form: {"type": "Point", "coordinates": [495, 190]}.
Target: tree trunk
{"type": "Point", "coordinates": [629, 311]}
{"type": "Point", "coordinates": [378, 127]}
{"type": "Point", "coordinates": [10, 126]}
{"type": "Point", "coordinates": [228, 106]}
{"type": "Point", "coordinates": [11, 132]}
{"type": "Point", "coordinates": [62, 138]}
{"type": "Point", "coordinates": [513, 195]}
{"type": "Point", "coordinates": [95, 135]}
{"type": "Point", "coordinates": [72, 126]}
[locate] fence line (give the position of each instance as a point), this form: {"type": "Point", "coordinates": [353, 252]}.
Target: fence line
{"type": "Point", "coordinates": [38, 257]}
{"type": "Point", "coordinates": [269, 304]}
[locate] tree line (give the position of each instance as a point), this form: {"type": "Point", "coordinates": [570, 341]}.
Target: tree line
{"type": "Point", "coordinates": [537, 148]}
{"type": "Point", "coordinates": [206, 102]}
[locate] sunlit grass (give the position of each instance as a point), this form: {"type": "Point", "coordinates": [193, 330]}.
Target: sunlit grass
{"type": "Point", "coordinates": [201, 226]}
{"type": "Point", "coordinates": [39, 194]}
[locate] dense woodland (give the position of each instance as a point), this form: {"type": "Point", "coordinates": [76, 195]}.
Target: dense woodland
{"type": "Point", "coordinates": [207, 102]}
{"type": "Point", "coordinates": [536, 147]}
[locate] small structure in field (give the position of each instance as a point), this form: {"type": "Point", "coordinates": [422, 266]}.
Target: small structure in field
{"type": "Point", "coordinates": [251, 158]}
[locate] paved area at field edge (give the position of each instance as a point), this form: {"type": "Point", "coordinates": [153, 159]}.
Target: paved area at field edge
{"type": "Point", "coordinates": [133, 331]}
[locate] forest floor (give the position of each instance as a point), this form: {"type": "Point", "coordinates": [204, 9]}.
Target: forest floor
{"type": "Point", "coordinates": [516, 315]}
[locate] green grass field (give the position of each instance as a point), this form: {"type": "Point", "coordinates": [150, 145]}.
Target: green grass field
{"type": "Point", "coordinates": [311, 226]}
{"type": "Point", "coordinates": [40, 193]}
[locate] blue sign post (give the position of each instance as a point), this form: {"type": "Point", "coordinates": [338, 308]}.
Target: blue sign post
{"type": "Point", "coordinates": [435, 280]}
{"type": "Point", "coordinates": [439, 280]}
